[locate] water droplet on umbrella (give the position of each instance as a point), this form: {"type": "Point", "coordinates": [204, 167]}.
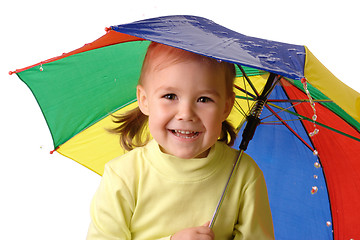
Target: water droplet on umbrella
{"type": "Point", "coordinates": [316, 176]}
{"type": "Point", "coordinates": [314, 190]}
{"type": "Point", "coordinates": [272, 59]}
{"type": "Point", "coordinates": [328, 223]}
{"type": "Point", "coordinates": [316, 131]}
{"type": "Point", "coordinates": [315, 152]}
{"type": "Point", "coordinates": [257, 45]}
{"type": "Point", "coordinates": [317, 165]}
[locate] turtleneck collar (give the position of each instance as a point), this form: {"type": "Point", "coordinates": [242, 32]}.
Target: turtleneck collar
{"type": "Point", "coordinates": [186, 170]}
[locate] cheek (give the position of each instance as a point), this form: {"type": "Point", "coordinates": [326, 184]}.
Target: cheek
{"type": "Point", "coordinates": [159, 115]}
{"type": "Point", "coordinates": [213, 120]}
{"type": "Point", "coordinates": [160, 110]}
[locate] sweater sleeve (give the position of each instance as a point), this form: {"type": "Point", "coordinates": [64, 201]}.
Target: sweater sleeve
{"type": "Point", "coordinates": [255, 220]}
{"type": "Point", "coordinates": [111, 209]}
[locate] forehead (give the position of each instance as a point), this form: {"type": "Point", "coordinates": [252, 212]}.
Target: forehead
{"type": "Point", "coordinates": [190, 77]}
{"type": "Point", "coordinates": [182, 69]}
{"type": "Point", "coordinates": [161, 60]}
{"type": "Point", "coordinates": [160, 56]}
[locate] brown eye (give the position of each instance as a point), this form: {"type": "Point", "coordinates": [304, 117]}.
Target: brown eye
{"type": "Point", "coordinates": [170, 96]}
{"type": "Point", "coordinates": [205, 99]}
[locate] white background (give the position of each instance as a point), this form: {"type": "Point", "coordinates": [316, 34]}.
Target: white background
{"type": "Point", "coordinates": [45, 196]}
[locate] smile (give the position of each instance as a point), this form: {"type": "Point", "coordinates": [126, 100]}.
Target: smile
{"type": "Point", "coordinates": [185, 133]}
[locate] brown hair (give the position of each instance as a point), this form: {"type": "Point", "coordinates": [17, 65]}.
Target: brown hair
{"type": "Point", "coordinates": [133, 124]}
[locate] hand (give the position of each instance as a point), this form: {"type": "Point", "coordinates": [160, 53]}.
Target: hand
{"type": "Point", "coordinates": [196, 233]}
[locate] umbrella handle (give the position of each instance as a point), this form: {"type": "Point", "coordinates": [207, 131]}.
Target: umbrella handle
{"type": "Point", "coordinates": [253, 121]}
{"type": "Point", "coordinates": [249, 131]}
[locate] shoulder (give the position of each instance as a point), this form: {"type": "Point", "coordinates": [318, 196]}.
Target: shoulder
{"type": "Point", "coordinates": [124, 172]}
{"type": "Point", "coordinates": [129, 162]}
{"type": "Point", "coordinates": [246, 161]}
{"type": "Point", "coordinates": [247, 166]}
{"type": "Point", "coordinates": [134, 160]}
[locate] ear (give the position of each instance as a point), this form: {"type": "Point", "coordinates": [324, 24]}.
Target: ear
{"type": "Point", "coordinates": [142, 100]}
{"type": "Point", "coordinates": [229, 105]}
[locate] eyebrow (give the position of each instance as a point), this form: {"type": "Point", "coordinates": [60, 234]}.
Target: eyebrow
{"type": "Point", "coordinates": [211, 92]}
{"type": "Point", "coordinates": [165, 89]}
{"type": "Point", "coordinates": [202, 92]}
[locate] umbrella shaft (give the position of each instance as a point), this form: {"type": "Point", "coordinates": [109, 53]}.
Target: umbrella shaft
{"type": "Point", "coordinates": [235, 166]}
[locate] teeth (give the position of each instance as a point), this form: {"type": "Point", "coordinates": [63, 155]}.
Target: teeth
{"type": "Point", "coordinates": [183, 133]}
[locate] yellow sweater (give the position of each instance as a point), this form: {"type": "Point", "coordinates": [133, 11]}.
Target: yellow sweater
{"type": "Point", "coordinates": [146, 194]}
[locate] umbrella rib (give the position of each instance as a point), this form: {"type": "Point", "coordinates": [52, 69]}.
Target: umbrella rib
{"type": "Point", "coordinates": [318, 123]}
{"type": "Point", "coordinates": [240, 109]}
{"type": "Point", "coordinates": [298, 100]}
{"type": "Point", "coordinates": [275, 122]}
{"type": "Point", "coordinates": [244, 98]}
{"type": "Point", "coordinates": [288, 127]}
{"type": "Point", "coordinates": [248, 80]}
{"type": "Point", "coordinates": [247, 95]}
{"type": "Point", "coordinates": [281, 110]}
{"type": "Point", "coordinates": [246, 92]}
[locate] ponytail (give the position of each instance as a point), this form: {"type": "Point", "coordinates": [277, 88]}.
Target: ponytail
{"type": "Point", "coordinates": [228, 133]}
{"type": "Point", "coordinates": [132, 129]}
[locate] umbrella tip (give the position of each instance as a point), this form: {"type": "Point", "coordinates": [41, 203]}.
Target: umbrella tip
{"type": "Point", "coordinates": [12, 72]}
{"type": "Point", "coordinates": [107, 29]}
{"type": "Point", "coordinates": [52, 151]}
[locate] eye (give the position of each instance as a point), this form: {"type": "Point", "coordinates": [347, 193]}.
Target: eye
{"type": "Point", "coordinates": [205, 99]}
{"type": "Point", "coordinates": [170, 96]}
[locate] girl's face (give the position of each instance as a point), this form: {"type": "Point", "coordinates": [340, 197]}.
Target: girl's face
{"type": "Point", "coordinates": [186, 103]}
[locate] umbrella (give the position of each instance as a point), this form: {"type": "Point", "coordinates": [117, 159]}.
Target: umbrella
{"type": "Point", "coordinates": [307, 122]}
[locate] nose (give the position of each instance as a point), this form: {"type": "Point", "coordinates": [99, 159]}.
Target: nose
{"type": "Point", "coordinates": [186, 112]}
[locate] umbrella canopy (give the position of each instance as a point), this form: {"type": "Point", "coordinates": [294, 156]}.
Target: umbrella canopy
{"type": "Point", "coordinates": [313, 181]}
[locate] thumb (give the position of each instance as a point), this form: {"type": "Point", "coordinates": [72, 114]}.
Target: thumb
{"type": "Point", "coordinates": [207, 224]}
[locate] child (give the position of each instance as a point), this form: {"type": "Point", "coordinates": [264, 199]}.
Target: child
{"type": "Point", "coordinates": [168, 187]}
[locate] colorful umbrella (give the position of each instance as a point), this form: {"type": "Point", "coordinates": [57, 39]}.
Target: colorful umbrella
{"type": "Point", "coordinates": [307, 139]}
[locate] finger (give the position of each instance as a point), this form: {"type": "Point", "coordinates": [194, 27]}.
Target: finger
{"type": "Point", "coordinates": [205, 230]}
{"type": "Point", "coordinates": [206, 233]}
